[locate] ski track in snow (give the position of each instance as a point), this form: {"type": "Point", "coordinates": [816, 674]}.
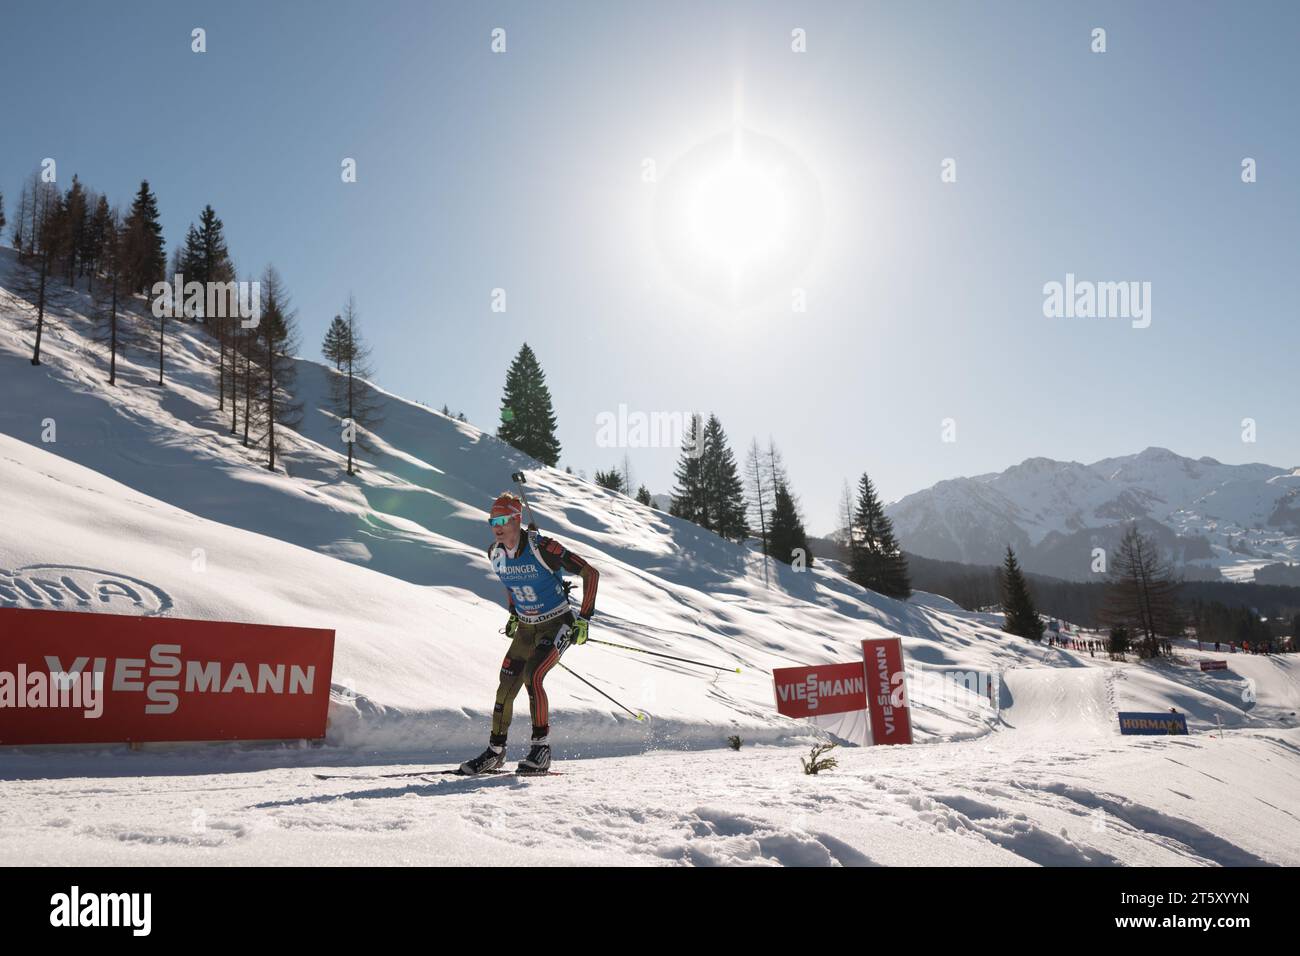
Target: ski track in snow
{"type": "Point", "coordinates": [1013, 799]}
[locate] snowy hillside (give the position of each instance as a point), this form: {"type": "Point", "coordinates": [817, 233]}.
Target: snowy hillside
{"type": "Point", "coordinates": [1211, 518]}
{"type": "Point", "coordinates": [146, 483]}
{"type": "Point", "coordinates": [394, 559]}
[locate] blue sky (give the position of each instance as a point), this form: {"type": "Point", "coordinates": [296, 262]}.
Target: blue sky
{"type": "Point", "coordinates": [523, 171]}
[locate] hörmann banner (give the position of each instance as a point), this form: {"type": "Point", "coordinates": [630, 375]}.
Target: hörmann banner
{"type": "Point", "coordinates": [73, 677]}
{"type": "Point", "coordinates": [1158, 723]}
{"type": "Point", "coordinates": [887, 704]}
{"type": "Point", "coordinates": [820, 689]}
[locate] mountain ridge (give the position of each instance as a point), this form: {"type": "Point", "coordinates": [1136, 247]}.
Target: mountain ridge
{"type": "Point", "coordinates": [1212, 519]}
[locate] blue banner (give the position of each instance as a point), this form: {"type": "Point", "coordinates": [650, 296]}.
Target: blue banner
{"type": "Point", "coordinates": [1159, 723]}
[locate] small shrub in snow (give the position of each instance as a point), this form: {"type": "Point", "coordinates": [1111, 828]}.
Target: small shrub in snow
{"type": "Point", "coordinates": [816, 762]}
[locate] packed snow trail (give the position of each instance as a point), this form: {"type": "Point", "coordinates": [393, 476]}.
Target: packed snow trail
{"type": "Point", "coordinates": [1009, 800]}
{"type": "Point", "coordinates": [1059, 702]}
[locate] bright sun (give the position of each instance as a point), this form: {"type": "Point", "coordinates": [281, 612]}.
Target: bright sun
{"type": "Point", "coordinates": [737, 218]}
{"type": "Point", "coordinates": [739, 211]}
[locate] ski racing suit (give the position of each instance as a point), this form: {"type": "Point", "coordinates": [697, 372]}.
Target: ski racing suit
{"type": "Point", "coordinates": [533, 578]}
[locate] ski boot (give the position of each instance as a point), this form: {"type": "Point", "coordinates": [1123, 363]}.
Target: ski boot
{"type": "Point", "coordinates": [489, 760]}
{"type": "Point", "coordinates": [538, 759]}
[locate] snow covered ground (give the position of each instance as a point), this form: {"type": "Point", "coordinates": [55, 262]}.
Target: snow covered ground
{"type": "Point", "coordinates": [146, 483]}
{"type": "Point", "coordinates": [1010, 799]}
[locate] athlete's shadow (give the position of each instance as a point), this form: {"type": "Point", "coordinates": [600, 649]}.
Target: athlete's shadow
{"type": "Point", "coordinates": [442, 788]}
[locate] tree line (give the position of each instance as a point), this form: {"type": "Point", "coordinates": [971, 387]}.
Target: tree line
{"type": "Point", "coordinates": [76, 241]}
{"type": "Point", "coordinates": [710, 490]}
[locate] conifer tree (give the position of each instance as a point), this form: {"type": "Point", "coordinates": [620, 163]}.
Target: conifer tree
{"type": "Point", "coordinates": [877, 561]}
{"type": "Point", "coordinates": [723, 489]}
{"type": "Point", "coordinates": [75, 223]}
{"type": "Point", "coordinates": [688, 493]}
{"type": "Point", "coordinates": [279, 340]}
{"type": "Point", "coordinates": [205, 249]}
{"type": "Point", "coordinates": [334, 348]}
{"type": "Point", "coordinates": [760, 495]}
{"type": "Point", "coordinates": [611, 480]}
{"type": "Point", "coordinates": [1142, 593]}
{"type": "Point", "coordinates": [787, 535]}
{"type": "Point", "coordinates": [116, 325]}
{"type": "Point", "coordinates": [527, 418]}
{"type": "Point", "coordinates": [42, 228]}
{"type": "Point", "coordinates": [97, 237]}
{"type": "Point", "coordinates": [145, 250]}
{"type": "Point", "coordinates": [643, 496]}
{"type": "Point", "coordinates": [1021, 617]}
{"type": "Point", "coordinates": [354, 400]}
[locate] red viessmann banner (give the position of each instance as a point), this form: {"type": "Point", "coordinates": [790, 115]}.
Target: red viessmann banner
{"type": "Point", "coordinates": [820, 689]}
{"type": "Point", "coordinates": [72, 677]}
{"type": "Point", "coordinates": [891, 717]}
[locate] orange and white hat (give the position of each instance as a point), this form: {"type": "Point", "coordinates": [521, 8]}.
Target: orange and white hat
{"type": "Point", "coordinates": [506, 506]}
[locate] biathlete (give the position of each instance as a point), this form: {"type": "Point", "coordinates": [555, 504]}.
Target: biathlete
{"type": "Point", "coordinates": [541, 627]}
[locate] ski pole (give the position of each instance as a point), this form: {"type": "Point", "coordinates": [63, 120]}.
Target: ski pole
{"type": "Point", "coordinates": [601, 692]}
{"type": "Point", "coordinates": [642, 650]}
{"type": "Point", "coordinates": [520, 479]}
{"type": "Point", "coordinates": [593, 686]}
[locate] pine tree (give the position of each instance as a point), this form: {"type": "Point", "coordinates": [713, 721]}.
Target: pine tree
{"type": "Point", "coordinates": [2, 214]}
{"type": "Point", "coordinates": [787, 536]}
{"type": "Point", "coordinates": [611, 480]}
{"type": "Point", "coordinates": [688, 494]}
{"type": "Point", "coordinates": [1142, 593]}
{"type": "Point", "coordinates": [625, 473]}
{"type": "Point", "coordinates": [896, 581]}
{"type": "Point", "coordinates": [42, 228]}
{"type": "Point", "coordinates": [206, 260]}
{"type": "Point", "coordinates": [334, 348]}
{"type": "Point", "coordinates": [1021, 617]}
{"type": "Point", "coordinates": [527, 418]}
{"type": "Point", "coordinates": [864, 535]}
{"type": "Point", "coordinates": [279, 340]}
{"type": "Point", "coordinates": [75, 224]}
{"type": "Point", "coordinates": [206, 253]}
{"type": "Point", "coordinates": [170, 309]}
{"type": "Point", "coordinates": [97, 237]}
{"type": "Point", "coordinates": [145, 250]}
{"type": "Point", "coordinates": [116, 325]}
{"type": "Point", "coordinates": [723, 489]}
{"type": "Point", "coordinates": [775, 466]}
{"type": "Point", "coordinates": [354, 400]}
{"type": "Point", "coordinates": [760, 494]}
{"type": "Point", "coordinates": [19, 231]}
{"type": "Point", "coordinates": [643, 496]}
{"type": "Point", "coordinates": [877, 561]}
{"type": "Point", "coordinates": [246, 379]}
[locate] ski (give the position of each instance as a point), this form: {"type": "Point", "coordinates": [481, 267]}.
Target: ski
{"type": "Point", "coordinates": [453, 772]}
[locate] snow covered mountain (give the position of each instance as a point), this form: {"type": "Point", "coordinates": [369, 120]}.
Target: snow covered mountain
{"type": "Point", "coordinates": [1211, 518]}
{"type": "Point", "coordinates": [140, 482]}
